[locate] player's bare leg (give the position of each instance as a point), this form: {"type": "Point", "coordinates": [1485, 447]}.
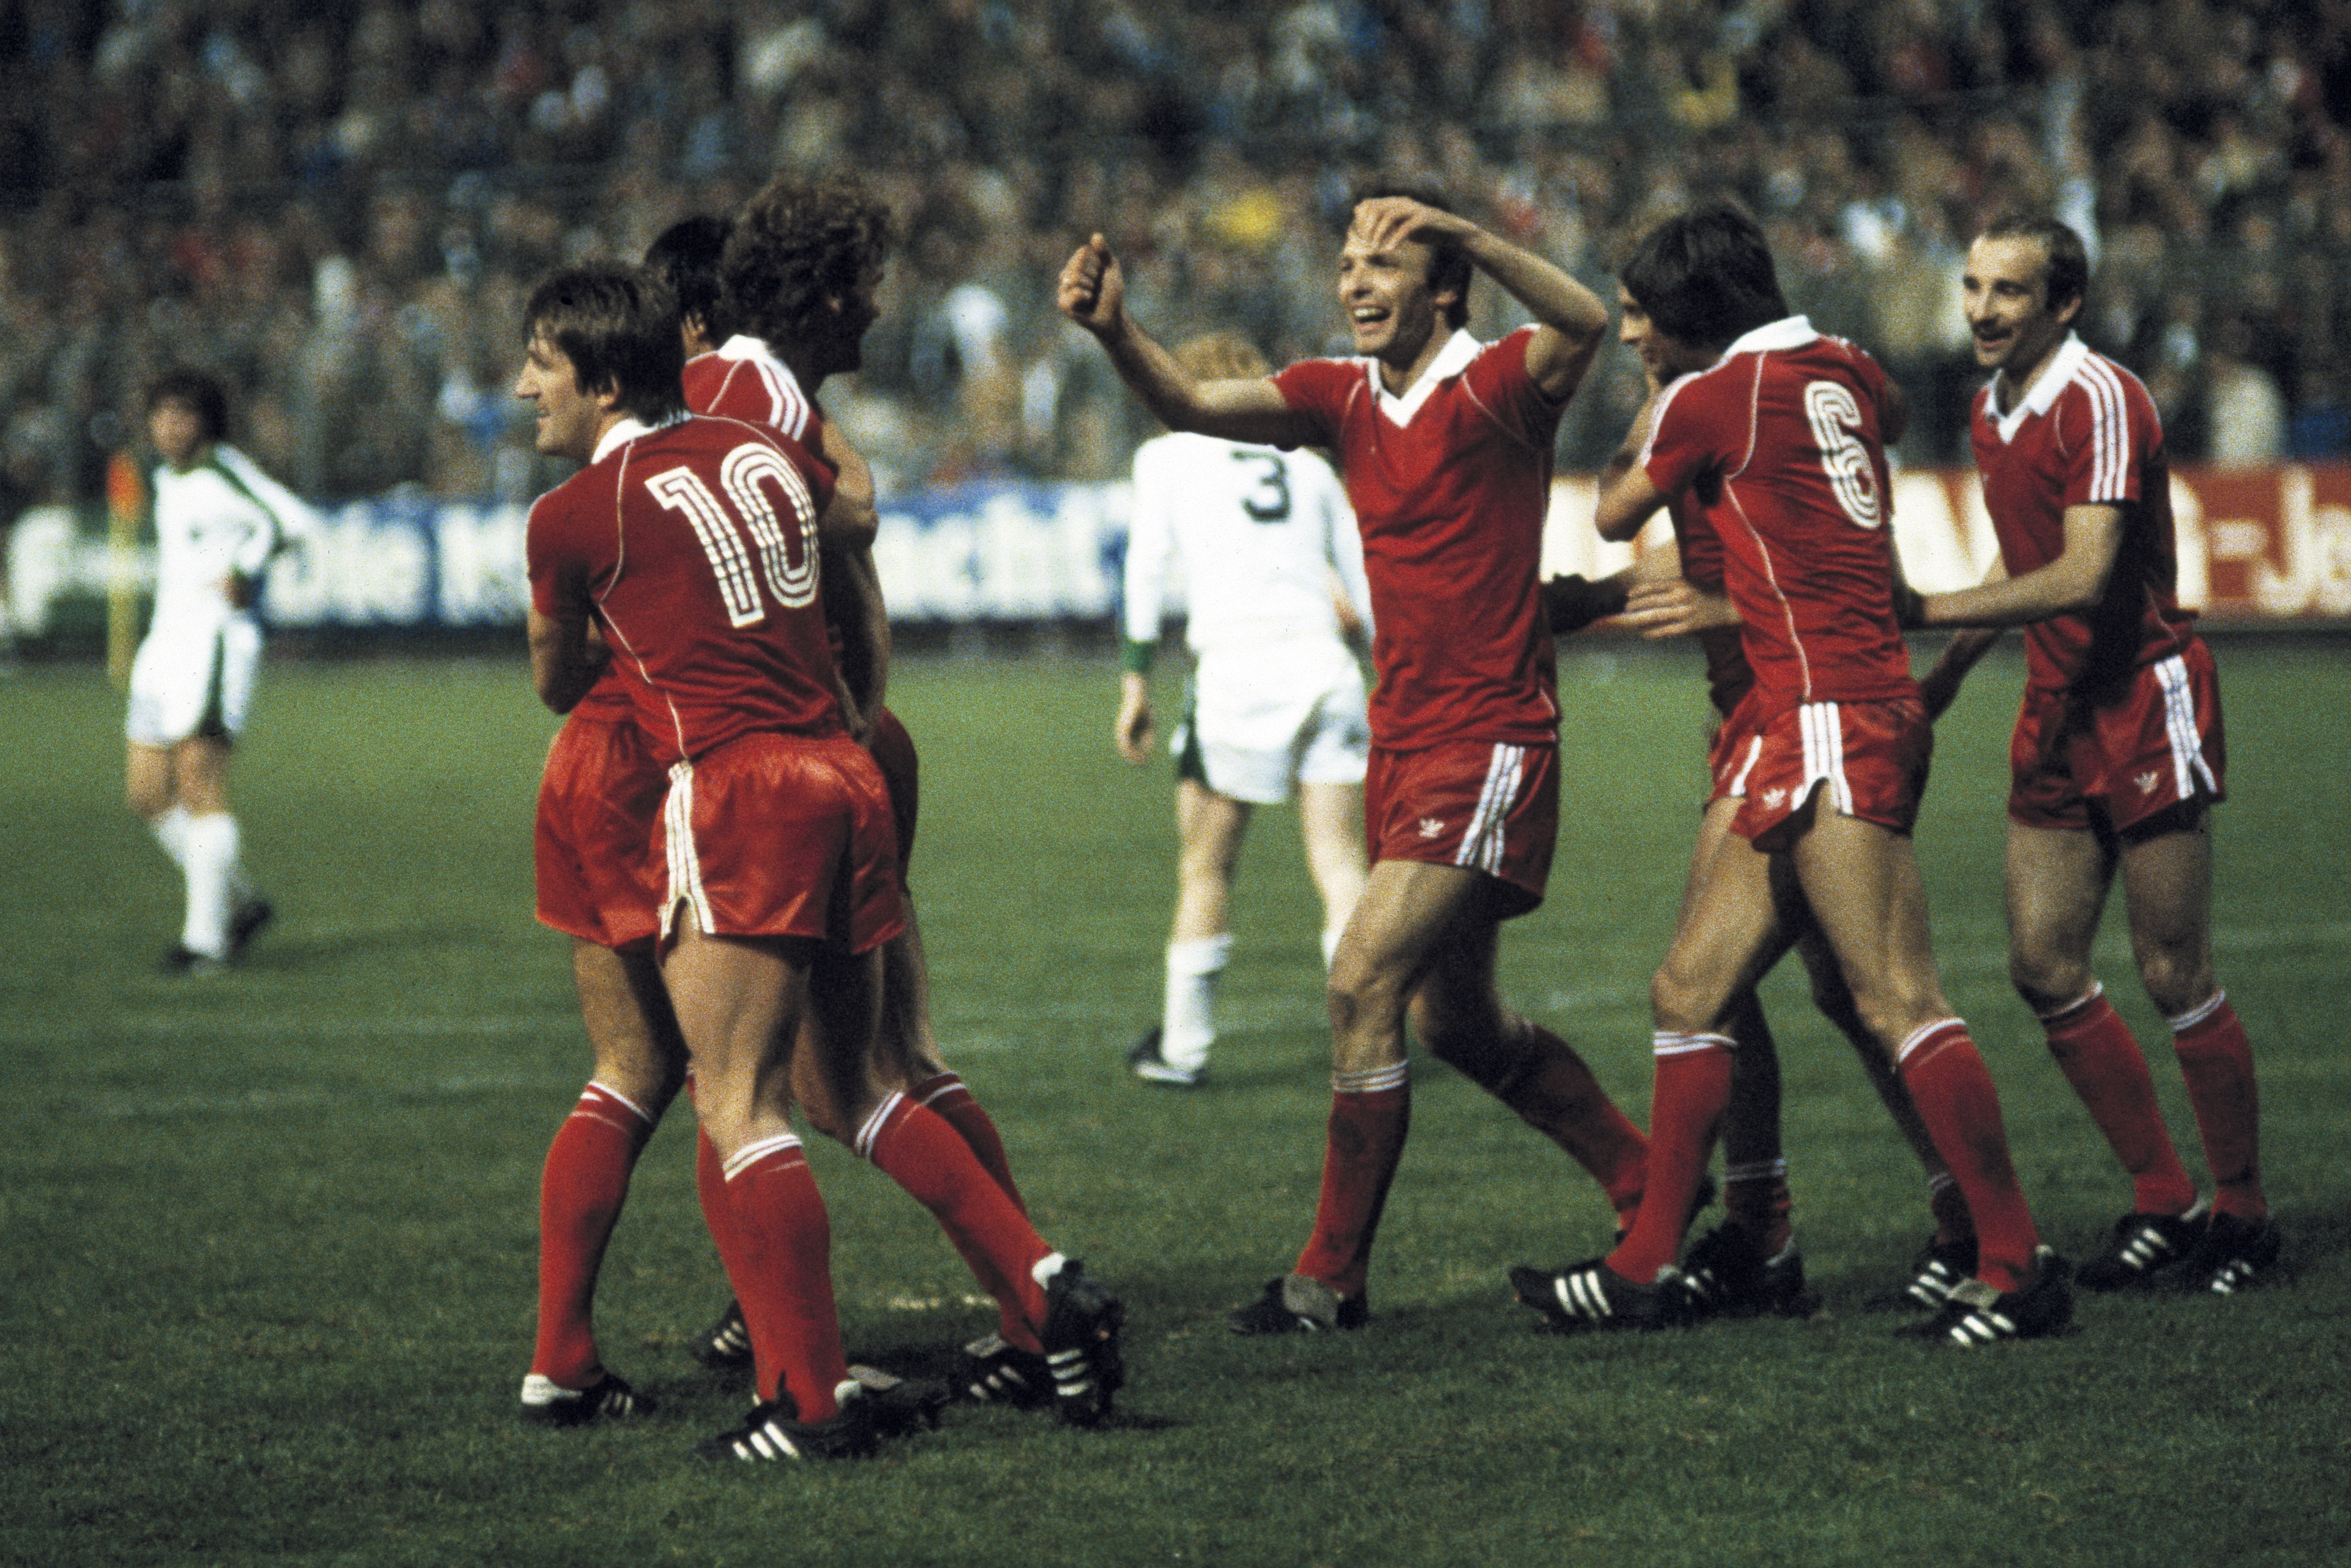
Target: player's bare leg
{"type": "Point", "coordinates": [2168, 887]}
{"type": "Point", "coordinates": [1209, 829]}
{"type": "Point", "coordinates": [182, 792]}
{"type": "Point", "coordinates": [1331, 828]}
{"type": "Point", "coordinates": [640, 1065]}
{"type": "Point", "coordinates": [1869, 907]}
{"type": "Point", "coordinates": [2058, 881]}
{"type": "Point", "coordinates": [739, 1002]}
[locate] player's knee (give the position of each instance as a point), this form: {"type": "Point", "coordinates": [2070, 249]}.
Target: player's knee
{"type": "Point", "coordinates": [1681, 1006]}
{"type": "Point", "coordinates": [2176, 981]}
{"type": "Point", "coordinates": [2047, 981]}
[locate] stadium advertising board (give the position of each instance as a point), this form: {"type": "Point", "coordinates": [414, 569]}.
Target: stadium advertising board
{"type": "Point", "coordinates": [2265, 544]}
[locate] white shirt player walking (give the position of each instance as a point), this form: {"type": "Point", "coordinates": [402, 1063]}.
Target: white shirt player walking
{"type": "Point", "coordinates": [1273, 587]}
{"type": "Point", "coordinates": [219, 520]}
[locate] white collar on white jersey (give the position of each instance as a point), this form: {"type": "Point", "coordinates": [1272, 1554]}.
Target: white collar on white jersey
{"type": "Point", "coordinates": [1787, 332]}
{"type": "Point", "coordinates": [628, 428]}
{"type": "Point", "coordinates": [2063, 366]}
{"type": "Point", "coordinates": [1451, 360]}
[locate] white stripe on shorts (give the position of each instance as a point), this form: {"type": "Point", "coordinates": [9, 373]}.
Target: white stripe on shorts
{"type": "Point", "coordinates": [2187, 764]}
{"type": "Point", "coordinates": [1481, 845]}
{"type": "Point", "coordinates": [684, 866]}
{"type": "Point", "coordinates": [1825, 754]}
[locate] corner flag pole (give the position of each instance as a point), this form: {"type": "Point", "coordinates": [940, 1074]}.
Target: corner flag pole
{"type": "Point", "coordinates": [125, 501]}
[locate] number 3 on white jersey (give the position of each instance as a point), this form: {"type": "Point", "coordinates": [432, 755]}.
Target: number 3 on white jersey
{"type": "Point", "coordinates": [1836, 422]}
{"type": "Point", "coordinates": [746, 475]}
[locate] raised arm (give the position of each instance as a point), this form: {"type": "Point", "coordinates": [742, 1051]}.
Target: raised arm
{"type": "Point", "coordinates": [1571, 322]}
{"type": "Point", "coordinates": [1093, 293]}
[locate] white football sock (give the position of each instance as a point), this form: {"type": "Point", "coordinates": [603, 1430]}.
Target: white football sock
{"type": "Point", "coordinates": [210, 845]}
{"type": "Point", "coordinates": [1187, 1025]}
{"type": "Point", "coordinates": [171, 830]}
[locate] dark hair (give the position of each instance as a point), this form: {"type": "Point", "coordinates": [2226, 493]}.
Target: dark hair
{"type": "Point", "coordinates": [1448, 265]}
{"type": "Point", "coordinates": [199, 391]}
{"type": "Point", "coordinates": [1705, 276]}
{"type": "Point", "coordinates": [797, 246]}
{"type": "Point", "coordinates": [617, 327]}
{"type": "Point", "coordinates": [2069, 262]}
{"type": "Point", "coordinates": [685, 258]}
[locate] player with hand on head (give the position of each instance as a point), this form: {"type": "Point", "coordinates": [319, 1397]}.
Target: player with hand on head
{"type": "Point", "coordinates": [1445, 447]}
{"type": "Point", "coordinates": [2117, 758]}
{"type": "Point", "coordinates": [797, 280]}
{"type": "Point", "coordinates": [219, 521]}
{"type": "Point", "coordinates": [1273, 594]}
{"type": "Point", "coordinates": [1776, 434]}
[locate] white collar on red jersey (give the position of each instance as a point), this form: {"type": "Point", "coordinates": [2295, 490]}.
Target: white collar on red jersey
{"type": "Point", "coordinates": [743, 346]}
{"type": "Point", "coordinates": [628, 429]}
{"type": "Point", "coordinates": [1451, 360]}
{"type": "Point", "coordinates": [2063, 366]}
{"type": "Point", "coordinates": [1787, 332]}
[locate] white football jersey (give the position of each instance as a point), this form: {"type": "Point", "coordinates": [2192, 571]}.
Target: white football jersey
{"type": "Point", "coordinates": [223, 515]}
{"type": "Point", "coordinates": [1259, 533]}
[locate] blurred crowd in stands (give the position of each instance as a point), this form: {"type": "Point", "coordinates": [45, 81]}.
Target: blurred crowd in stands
{"type": "Point", "coordinates": [341, 206]}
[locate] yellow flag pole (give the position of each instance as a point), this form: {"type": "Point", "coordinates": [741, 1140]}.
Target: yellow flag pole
{"type": "Point", "coordinates": [125, 501]}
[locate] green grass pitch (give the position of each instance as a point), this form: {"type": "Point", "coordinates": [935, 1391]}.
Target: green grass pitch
{"type": "Point", "coordinates": [268, 1238]}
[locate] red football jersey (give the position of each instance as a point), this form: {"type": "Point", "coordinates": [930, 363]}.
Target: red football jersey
{"type": "Point", "coordinates": [1776, 446]}
{"type": "Point", "coordinates": [2087, 434]}
{"type": "Point", "coordinates": [743, 379]}
{"type": "Point", "coordinates": [1449, 483]}
{"type": "Point", "coordinates": [1729, 675]}
{"type": "Point", "coordinates": [694, 543]}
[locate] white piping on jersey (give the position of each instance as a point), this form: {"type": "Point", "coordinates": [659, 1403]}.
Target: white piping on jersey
{"type": "Point", "coordinates": [1483, 842]}
{"type": "Point", "coordinates": [684, 865]}
{"type": "Point", "coordinates": [790, 408]}
{"type": "Point", "coordinates": [1824, 733]}
{"type": "Point", "coordinates": [2187, 764]}
{"type": "Point", "coordinates": [2045, 392]}
{"type": "Point", "coordinates": [1459, 350]}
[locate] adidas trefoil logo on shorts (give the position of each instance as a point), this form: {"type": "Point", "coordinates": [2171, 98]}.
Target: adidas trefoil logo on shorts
{"type": "Point", "coordinates": [1430, 827]}
{"type": "Point", "coordinates": [2146, 781]}
{"type": "Point", "coordinates": [1773, 798]}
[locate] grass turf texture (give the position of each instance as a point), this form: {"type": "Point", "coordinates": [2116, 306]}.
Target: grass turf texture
{"type": "Point", "coordinates": [268, 1236]}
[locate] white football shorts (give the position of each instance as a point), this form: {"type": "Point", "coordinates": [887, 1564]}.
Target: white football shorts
{"type": "Point", "coordinates": [1266, 719]}
{"type": "Point", "coordinates": [193, 679]}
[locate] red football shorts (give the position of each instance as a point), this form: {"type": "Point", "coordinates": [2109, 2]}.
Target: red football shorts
{"type": "Point", "coordinates": [1737, 741]}
{"type": "Point", "coordinates": [2158, 744]}
{"type": "Point", "coordinates": [1491, 808]}
{"type": "Point", "coordinates": [894, 753]}
{"type": "Point", "coordinates": [1865, 759]}
{"type": "Point", "coordinates": [780, 835]}
{"type": "Point", "coordinates": [598, 801]}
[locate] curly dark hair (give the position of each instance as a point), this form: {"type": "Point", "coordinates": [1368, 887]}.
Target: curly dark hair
{"type": "Point", "coordinates": [798, 245]}
{"type": "Point", "coordinates": [200, 392]}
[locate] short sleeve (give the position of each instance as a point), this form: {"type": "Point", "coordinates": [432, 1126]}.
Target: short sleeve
{"type": "Point", "coordinates": [2103, 434]}
{"type": "Point", "coordinates": [1319, 388]}
{"type": "Point", "coordinates": [557, 567]}
{"type": "Point", "coordinates": [1497, 379]}
{"type": "Point", "coordinates": [1680, 446]}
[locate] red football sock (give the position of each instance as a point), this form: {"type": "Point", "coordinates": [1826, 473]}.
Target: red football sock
{"type": "Point", "coordinates": [581, 1190]}
{"type": "Point", "coordinates": [1756, 1198]}
{"type": "Point", "coordinates": [779, 1257]}
{"type": "Point", "coordinates": [948, 1096]}
{"type": "Point", "coordinates": [921, 1153]}
{"type": "Point", "coordinates": [710, 1187]}
{"type": "Point", "coordinates": [1692, 1089]}
{"type": "Point", "coordinates": [1955, 1099]}
{"type": "Point", "coordinates": [1550, 1088]}
{"type": "Point", "coordinates": [1371, 1111]}
{"type": "Point", "coordinates": [2218, 1062]}
{"type": "Point", "coordinates": [2095, 1050]}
